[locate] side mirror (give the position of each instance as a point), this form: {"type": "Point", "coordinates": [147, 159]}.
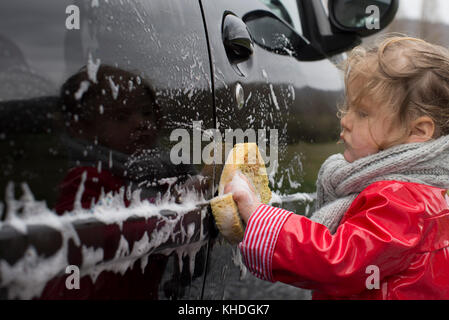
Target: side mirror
{"type": "Point", "coordinates": [340, 26]}
{"type": "Point", "coordinates": [275, 35]}
{"type": "Point", "coordinates": [363, 17]}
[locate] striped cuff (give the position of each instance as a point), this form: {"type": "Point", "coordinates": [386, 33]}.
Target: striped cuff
{"type": "Point", "coordinates": [260, 238]}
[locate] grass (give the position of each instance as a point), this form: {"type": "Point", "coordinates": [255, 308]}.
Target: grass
{"type": "Point", "coordinates": [312, 157]}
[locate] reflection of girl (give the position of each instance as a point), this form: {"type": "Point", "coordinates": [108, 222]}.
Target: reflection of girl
{"type": "Point", "coordinates": [107, 114]}
{"type": "Point", "coordinates": [114, 126]}
{"type": "Point", "coordinates": [382, 205]}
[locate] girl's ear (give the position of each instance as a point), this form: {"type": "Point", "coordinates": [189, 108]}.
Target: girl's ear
{"type": "Point", "coordinates": [422, 129]}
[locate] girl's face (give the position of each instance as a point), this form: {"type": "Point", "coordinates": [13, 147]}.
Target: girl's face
{"type": "Point", "coordinates": [367, 126]}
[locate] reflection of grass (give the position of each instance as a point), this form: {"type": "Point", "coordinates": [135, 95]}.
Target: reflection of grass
{"type": "Point", "coordinates": [312, 157]}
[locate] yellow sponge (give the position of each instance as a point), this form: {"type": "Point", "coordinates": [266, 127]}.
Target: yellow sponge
{"type": "Point", "coordinates": [246, 158]}
{"type": "Point", "coordinates": [227, 218]}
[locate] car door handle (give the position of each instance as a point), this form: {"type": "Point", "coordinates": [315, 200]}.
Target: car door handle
{"type": "Point", "coordinates": [236, 39]}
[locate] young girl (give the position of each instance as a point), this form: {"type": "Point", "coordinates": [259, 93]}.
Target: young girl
{"type": "Point", "coordinates": [381, 225]}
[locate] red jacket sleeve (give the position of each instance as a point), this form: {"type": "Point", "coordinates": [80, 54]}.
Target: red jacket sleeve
{"type": "Point", "coordinates": [94, 183]}
{"type": "Point", "coordinates": [380, 229]}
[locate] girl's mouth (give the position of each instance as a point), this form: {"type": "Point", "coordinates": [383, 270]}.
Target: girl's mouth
{"type": "Point", "coordinates": [342, 140]}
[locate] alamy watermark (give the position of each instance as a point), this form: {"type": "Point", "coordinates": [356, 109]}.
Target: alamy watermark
{"type": "Point", "coordinates": [213, 152]}
{"type": "Point", "coordinates": [73, 279]}
{"type": "Point", "coordinates": [373, 280]}
{"type": "Point", "coordinates": [72, 22]}
{"type": "Point", "coordinates": [372, 21]}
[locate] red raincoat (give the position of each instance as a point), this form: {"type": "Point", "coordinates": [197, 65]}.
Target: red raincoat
{"type": "Point", "coordinates": [392, 243]}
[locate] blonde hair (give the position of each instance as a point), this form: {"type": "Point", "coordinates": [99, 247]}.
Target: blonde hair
{"type": "Point", "coordinates": [408, 74]}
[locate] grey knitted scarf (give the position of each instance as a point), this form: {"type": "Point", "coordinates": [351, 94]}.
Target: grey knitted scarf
{"type": "Point", "coordinates": [339, 182]}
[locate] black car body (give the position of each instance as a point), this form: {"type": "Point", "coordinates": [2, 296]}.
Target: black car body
{"type": "Point", "coordinates": [95, 99]}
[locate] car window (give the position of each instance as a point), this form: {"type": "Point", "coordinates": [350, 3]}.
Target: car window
{"type": "Point", "coordinates": [287, 10]}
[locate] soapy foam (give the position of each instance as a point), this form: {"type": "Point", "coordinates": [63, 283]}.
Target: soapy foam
{"type": "Point", "coordinates": [27, 277]}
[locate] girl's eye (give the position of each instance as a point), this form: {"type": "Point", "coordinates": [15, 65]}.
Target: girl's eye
{"type": "Point", "coordinates": [362, 114]}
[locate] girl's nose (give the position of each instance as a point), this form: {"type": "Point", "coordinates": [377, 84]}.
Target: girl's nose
{"type": "Point", "coordinates": [345, 122]}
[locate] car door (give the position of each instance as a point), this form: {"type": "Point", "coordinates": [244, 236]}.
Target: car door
{"type": "Point", "coordinates": [288, 98]}
{"type": "Point", "coordinates": [97, 101]}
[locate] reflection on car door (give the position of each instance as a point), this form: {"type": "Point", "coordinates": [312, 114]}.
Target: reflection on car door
{"type": "Point", "coordinates": [87, 121]}
{"type": "Point", "coordinates": [282, 94]}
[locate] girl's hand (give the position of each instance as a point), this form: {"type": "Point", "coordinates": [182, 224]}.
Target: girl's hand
{"type": "Point", "coordinates": [243, 194]}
